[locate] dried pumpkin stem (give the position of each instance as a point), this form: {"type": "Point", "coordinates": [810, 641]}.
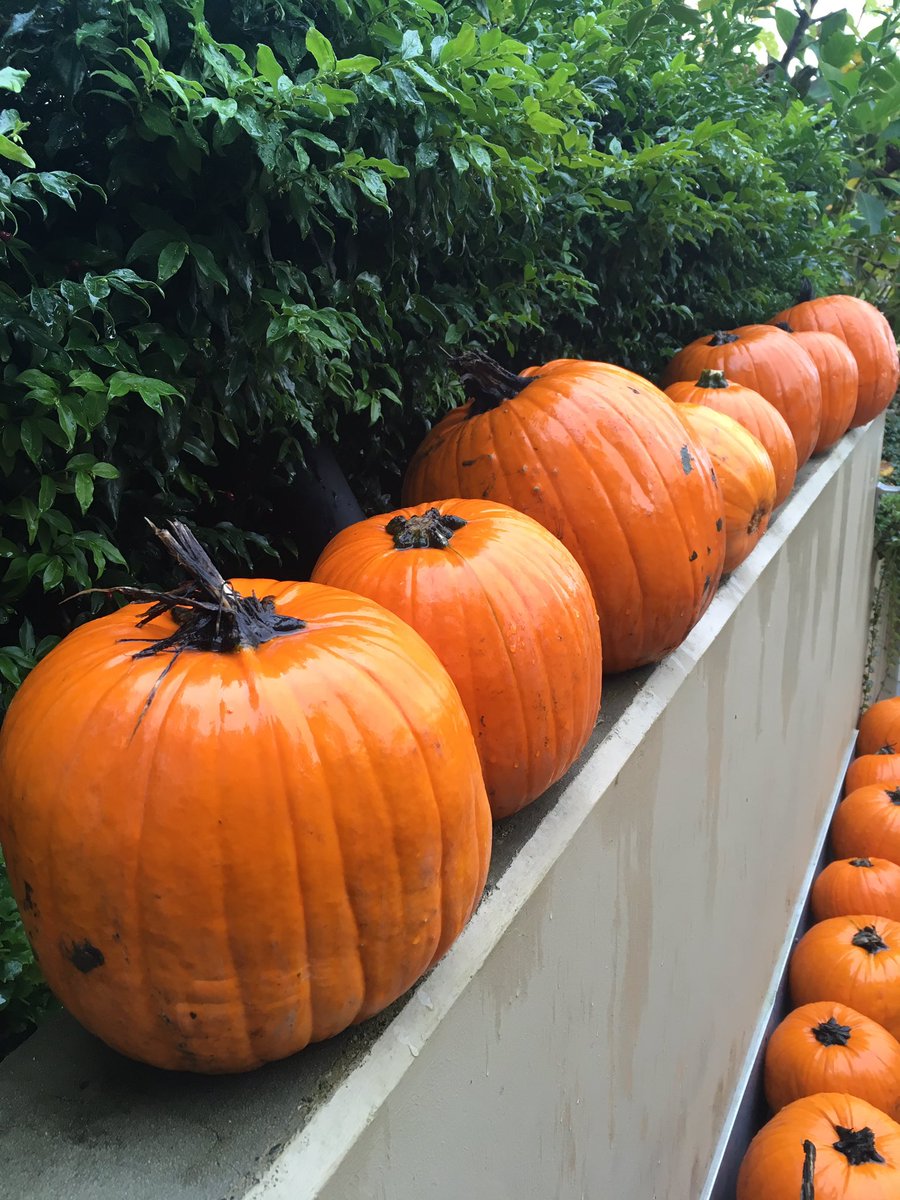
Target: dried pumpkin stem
{"type": "Point", "coordinates": [785, 326]}
{"type": "Point", "coordinates": [430, 530]}
{"type": "Point", "coordinates": [869, 939]}
{"type": "Point", "coordinates": [721, 338]}
{"type": "Point", "coordinates": [486, 381]}
{"type": "Point", "coordinates": [857, 1146]}
{"type": "Point", "coordinates": [860, 862]}
{"type": "Point", "coordinates": [830, 1033]}
{"type": "Point", "coordinates": [712, 379]}
{"type": "Point", "coordinates": [808, 1186]}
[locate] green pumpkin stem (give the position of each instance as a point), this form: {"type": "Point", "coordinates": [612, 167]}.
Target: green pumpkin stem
{"type": "Point", "coordinates": [712, 379]}
{"type": "Point", "coordinates": [869, 939]}
{"type": "Point", "coordinates": [857, 1146]}
{"type": "Point", "coordinates": [830, 1033]}
{"type": "Point", "coordinates": [808, 1185]}
{"type": "Point", "coordinates": [486, 381]}
{"type": "Point", "coordinates": [721, 338]}
{"type": "Point", "coordinates": [431, 530]}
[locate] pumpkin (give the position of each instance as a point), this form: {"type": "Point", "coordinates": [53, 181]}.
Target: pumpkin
{"type": "Point", "coordinates": [867, 822]}
{"type": "Point", "coordinates": [769, 361]}
{"type": "Point", "coordinates": [509, 613]}
{"type": "Point", "coordinates": [827, 1047]}
{"type": "Point", "coordinates": [830, 1146]}
{"type": "Point", "coordinates": [839, 377]}
{"type": "Point", "coordinates": [857, 885]}
{"type": "Point", "coordinates": [879, 728]}
{"type": "Point", "coordinates": [745, 475]}
{"type": "Point", "coordinates": [881, 768]}
{"type": "Point", "coordinates": [855, 960]}
{"type": "Point", "coordinates": [259, 819]}
{"type": "Point", "coordinates": [868, 337]}
{"type": "Point", "coordinates": [599, 458]}
{"type": "Point", "coordinates": [756, 415]}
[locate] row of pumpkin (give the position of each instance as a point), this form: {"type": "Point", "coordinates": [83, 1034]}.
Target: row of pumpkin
{"type": "Point", "coordinates": [239, 817]}
{"type": "Point", "coordinates": [832, 1067]}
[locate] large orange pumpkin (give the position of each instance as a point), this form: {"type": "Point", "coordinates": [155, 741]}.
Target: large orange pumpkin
{"type": "Point", "coordinates": [253, 825]}
{"type": "Point", "coordinates": [839, 377]}
{"type": "Point", "coordinates": [510, 614]}
{"type": "Point", "coordinates": [745, 475]}
{"type": "Point", "coordinates": [828, 1047]}
{"type": "Point", "coordinates": [867, 822]}
{"type": "Point", "coordinates": [850, 1149]}
{"type": "Point", "coordinates": [879, 728]}
{"type": "Point", "coordinates": [881, 768]}
{"type": "Point", "coordinates": [855, 960]}
{"type": "Point", "coordinates": [601, 460]}
{"type": "Point", "coordinates": [869, 338]}
{"type": "Point", "coordinates": [769, 361]}
{"type": "Point", "coordinates": [857, 885]}
{"type": "Point", "coordinates": [756, 415]}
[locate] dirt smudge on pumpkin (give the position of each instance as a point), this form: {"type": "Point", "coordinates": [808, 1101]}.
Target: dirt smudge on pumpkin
{"type": "Point", "coordinates": [687, 463]}
{"type": "Point", "coordinates": [694, 556]}
{"type": "Point", "coordinates": [84, 956]}
{"type": "Point", "coordinates": [719, 524]}
{"type": "Point", "coordinates": [28, 898]}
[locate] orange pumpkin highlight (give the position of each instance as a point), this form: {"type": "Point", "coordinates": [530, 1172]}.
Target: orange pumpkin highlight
{"type": "Point", "coordinates": [599, 458]}
{"type": "Point", "coordinates": [770, 362]}
{"type": "Point", "coordinates": [225, 853]}
{"type": "Point", "coordinates": [869, 338]}
{"type": "Point", "coordinates": [857, 885]}
{"type": "Point", "coordinates": [853, 1154]}
{"type": "Point", "coordinates": [756, 415]}
{"type": "Point", "coordinates": [510, 614]}
{"type": "Point", "coordinates": [745, 475]}
{"type": "Point", "coordinates": [854, 960]}
{"type": "Point", "coordinates": [828, 1047]}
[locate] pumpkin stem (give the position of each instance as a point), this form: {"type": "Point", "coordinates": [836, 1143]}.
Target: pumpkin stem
{"type": "Point", "coordinates": [860, 862]}
{"type": "Point", "coordinates": [869, 939]}
{"type": "Point", "coordinates": [893, 794]}
{"type": "Point", "coordinates": [807, 291]}
{"type": "Point", "coordinates": [785, 326]}
{"type": "Point", "coordinates": [209, 613]}
{"type": "Point", "coordinates": [885, 750]}
{"type": "Point", "coordinates": [808, 1186]}
{"type": "Point", "coordinates": [712, 379]}
{"type": "Point", "coordinates": [486, 381]}
{"type": "Point", "coordinates": [431, 529]}
{"type": "Point", "coordinates": [720, 338]}
{"type": "Point", "coordinates": [830, 1033]}
{"type": "Point", "coordinates": [857, 1145]}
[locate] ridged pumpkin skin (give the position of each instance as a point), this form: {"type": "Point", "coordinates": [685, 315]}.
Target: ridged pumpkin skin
{"type": "Point", "coordinates": [868, 769]}
{"type": "Point", "coordinates": [275, 847]}
{"type": "Point", "coordinates": [828, 1047]}
{"type": "Point", "coordinates": [839, 378]}
{"type": "Point", "coordinates": [827, 964]}
{"type": "Point", "coordinates": [745, 474]}
{"type": "Point", "coordinates": [509, 613]}
{"type": "Point", "coordinates": [601, 460]}
{"type": "Point", "coordinates": [773, 1165]}
{"type": "Point", "coordinates": [879, 728]}
{"type": "Point", "coordinates": [867, 822]}
{"type": "Point", "coordinates": [768, 361]}
{"type": "Point", "coordinates": [855, 885]}
{"type": "Point", "coordinates": [749, 409]}
{"type": "Point", "coordinates": [869, 338]}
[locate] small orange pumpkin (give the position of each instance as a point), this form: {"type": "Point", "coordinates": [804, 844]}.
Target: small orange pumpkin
{"type": "Point", "coordinates": [831, 1146]}
{"type": "Point", "coordinates": [839, 377]}
{"type": "Point", "coordinates": [509, 613]}
{"type": "Point", "coordinates": [867, 822]}
{"type": "Point", "coordinates": [599, 457]}
{"type": "Point", "coordinates": [756, 415]}
{"type": "Point", "coordinates": [828, 1047]}
{"type": "Point", "coordinates": [882, 768]}
{"type": "Point", "coordinates": [259, 820]}
{"type": "Point", "coordinates": [769, 361]}
{"type": "Point", "coordinates": [879, 728]}
{"type": "Point", "coordinates": [857, 885]}
{"type": "Point", "coordinates": [854, 960]}
{"type": "Point", "coordinates": [745, 475]}
{"type": "Point", "coordinates": [869, 338]}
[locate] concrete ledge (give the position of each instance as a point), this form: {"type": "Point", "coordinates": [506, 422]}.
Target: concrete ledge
{"type": "Point", "coordinates": [585, 1036]}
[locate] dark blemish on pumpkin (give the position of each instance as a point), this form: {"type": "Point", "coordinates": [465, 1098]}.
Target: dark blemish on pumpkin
{"type": "Point", "coordinates": [193, 1016]}
{"type": "Point", "coordinates": [165, 1019]}
{"type": "Point", "coordinates": [709, 549]}
{"type": "Point", "coordinates": [718, 524]}
{"type": "Point", "coordinates": [707, 582]}
{"type": "Point", "coordinates": [468, 462]}
{"type": "Point", "coordinates": [633, 389]}
{"type": "Point", "coordinates": [482, 722]}
{"type": "Point", "coordinates": [715, 478]}
{"type": "Point", "coordinates": [694, 556]}
{"type": "Point", "coordinates": [686, 461]}
{"type": "Point", "coordinates": [84, 956]}
{"type": "Point", "coordinates": [536, 490]}
{"type": "Point", "coordinates": [28, 898]}
{"type": "Point", "coordinates": [117, 937]}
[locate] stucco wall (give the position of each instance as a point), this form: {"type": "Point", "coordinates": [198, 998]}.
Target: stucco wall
{"type": "Point", "coordinates": [584, 1038]}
